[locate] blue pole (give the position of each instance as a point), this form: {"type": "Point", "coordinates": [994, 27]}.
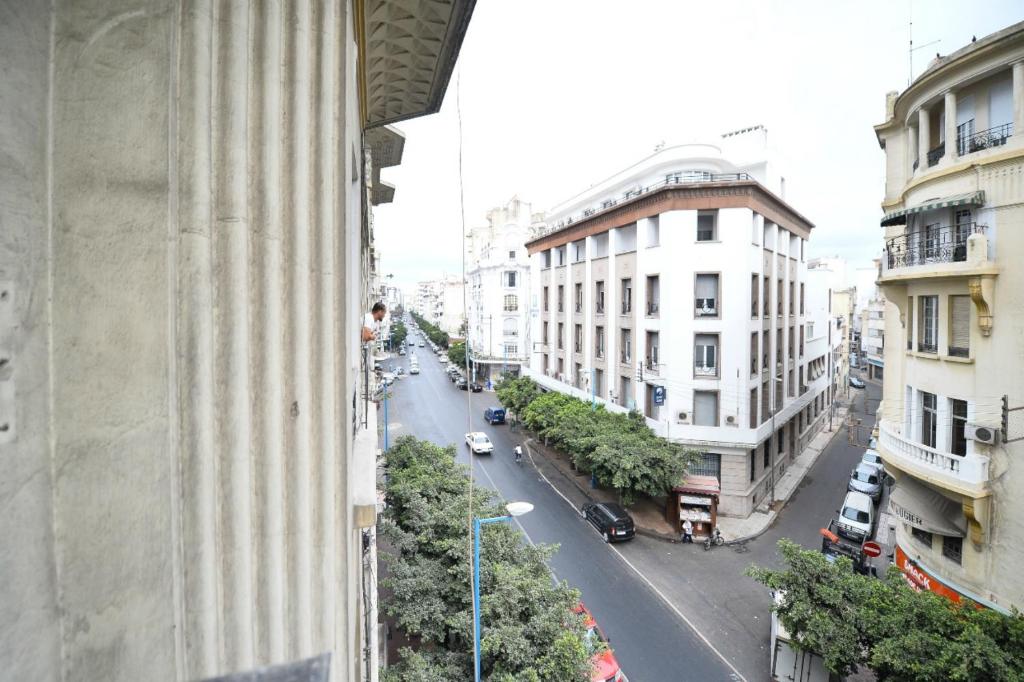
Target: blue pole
{"type": "Point", "coordinates": [477, 524]}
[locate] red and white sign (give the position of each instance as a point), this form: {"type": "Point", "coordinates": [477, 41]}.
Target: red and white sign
{"type": "Point", "coordinates": [871, 548]}
{"type": "Point", "coordinates": [919, 579]}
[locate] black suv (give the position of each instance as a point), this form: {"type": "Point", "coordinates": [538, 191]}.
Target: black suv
{"type": "Point", "coordinates": [611, 521]}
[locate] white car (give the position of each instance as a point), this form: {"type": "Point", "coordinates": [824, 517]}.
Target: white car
{"type": "Point", "coordinates": [414, 369]}
{"type": "Point", "coordinates": [857, 517]}
{"type": "Point", "coordinates": [479, 444]}
{"type": "Point", "coordinates": [872, 457]}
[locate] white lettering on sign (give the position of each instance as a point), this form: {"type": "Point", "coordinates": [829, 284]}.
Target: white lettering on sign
{"type": "Point", "coordinates": [917, 575]}
{"type": "Point", "coordinates": [905, 514]}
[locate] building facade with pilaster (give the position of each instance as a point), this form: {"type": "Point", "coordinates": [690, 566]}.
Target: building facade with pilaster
{"type": "Point", "coordinates": [677, 288]}
{"type": "Point", "coordinates": [954, 356]}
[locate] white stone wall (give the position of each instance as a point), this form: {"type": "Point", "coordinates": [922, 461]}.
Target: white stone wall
{"type": "Point", "coordinates": [183, 259]}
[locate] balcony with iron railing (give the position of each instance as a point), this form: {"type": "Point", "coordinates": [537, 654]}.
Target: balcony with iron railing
{"type": "Point", "coordinates": [937, 244]}
{"type": "Point", "coordinates": [705, 307]}
{"type": "Point", "coordinates": [968, 142]}
{"type": "Point", "coordinates": [934, 155]}
{"type": "Point", "coordinates": [624, 357]}
{"type": "Point", "coordinates": [702, 369]}
{"type": "Point", "coordinates": [652, 308]}
{"type": "Point", "coordinates": [651, 365]}
{"type": "Point", "coordinates": [968, 474]}
{"type": "Point", "coordinates": [626, 308]}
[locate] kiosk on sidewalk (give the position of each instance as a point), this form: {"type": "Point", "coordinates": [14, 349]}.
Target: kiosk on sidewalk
{"type": "Point", "coordinates": [696, 499]}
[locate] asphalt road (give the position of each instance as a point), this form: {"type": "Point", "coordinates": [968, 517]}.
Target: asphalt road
{"type": "Point", "coordinates": [651, 641]}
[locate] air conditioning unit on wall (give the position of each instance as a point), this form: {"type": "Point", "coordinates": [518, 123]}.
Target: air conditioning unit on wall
{"type": "Point", "coordinates": [982, 434]}
{"type": "Point", "coordinates": [683, 418]}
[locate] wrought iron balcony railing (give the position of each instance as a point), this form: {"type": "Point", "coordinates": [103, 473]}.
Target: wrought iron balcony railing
{"type": "Point", "coordinates": [652, 307]}
{"type": "Point", "coordinates": [599, 309]}
{"type": "Point", "coordinates": [704, 370]}
{"type": "Point", "coordinates": [968, 143]}
{"type": "Point", "coordinates": [626, 308]}
{"type": "Point", "coordinates": [927, 347]}
{"type": "Point", "coordinates": [935, 154]}
{"type": "Point", "coordinates": [705, 307]}
{"type": "Point", "coordinates": [936, 244]}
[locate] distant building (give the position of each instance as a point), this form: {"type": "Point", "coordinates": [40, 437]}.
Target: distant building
{"type": "Point", "coordinates": [954, 357]}
{"type": "Point", "coordinates": [677, 288]}
{"type": "Point", "coordinates": [498, 276]}
{"type": "Point", "coordinates": [872, 335]}
{"type": "Point", "coordinates": [441, 303]}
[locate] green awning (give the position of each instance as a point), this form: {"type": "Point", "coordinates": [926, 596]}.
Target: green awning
{"type": "Point", "coordinates": [965, 199]}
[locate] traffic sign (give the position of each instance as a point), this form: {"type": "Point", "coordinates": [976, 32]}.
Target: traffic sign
{"type": "Point", "coordinates": [871, 548]}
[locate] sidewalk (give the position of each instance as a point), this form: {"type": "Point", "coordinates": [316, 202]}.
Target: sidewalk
{"type": "Point", "coordinates": [649, 515]}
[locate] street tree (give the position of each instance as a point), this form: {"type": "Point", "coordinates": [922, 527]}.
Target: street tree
{"type": "Point", "coordinates": [515, 393]}
{"type": "Point", "coordinates": [457, 354]}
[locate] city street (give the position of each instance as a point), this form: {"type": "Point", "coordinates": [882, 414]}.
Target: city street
{"type": "Point", "coordinates": [650, 640]}
{"type": "Point", "coordinates": [729, 610]}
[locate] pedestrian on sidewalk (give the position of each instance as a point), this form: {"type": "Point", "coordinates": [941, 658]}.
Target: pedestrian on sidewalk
{"type": "Point", "coordinates": [687, 531]}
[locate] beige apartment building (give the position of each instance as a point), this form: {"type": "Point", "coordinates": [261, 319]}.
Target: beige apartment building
{"type": "Point", "coordinates": [954, 321]}
{"type": "Point", "coordinates": [186, 256]}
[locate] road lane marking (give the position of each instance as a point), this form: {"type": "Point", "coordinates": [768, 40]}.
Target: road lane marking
{"type": "Point", "coordinates": [737, 674]}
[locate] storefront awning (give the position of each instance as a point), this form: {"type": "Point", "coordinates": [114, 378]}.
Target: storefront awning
{"type": "Point", "coordinates": [965, 199]}
{"type": "Point", "coordinates": [699, 485]}
{"type": "Point", "coordinates": [924, 508]}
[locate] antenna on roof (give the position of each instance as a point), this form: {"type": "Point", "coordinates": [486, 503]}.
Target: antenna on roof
{"type": "Point", "coordinates": [658, 147]}
{"type": "Point", "coordinates": [911, 49]}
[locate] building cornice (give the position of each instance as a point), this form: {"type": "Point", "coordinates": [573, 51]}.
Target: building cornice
{"type": "Point", "coordinates": [734, 194]}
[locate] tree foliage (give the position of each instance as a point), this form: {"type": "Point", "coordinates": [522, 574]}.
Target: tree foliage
{"type": "Point", "coordinates": [398, 333]}
{"type": "Point", "coordinates": [619, 449]}
{"type": "Point", "coordinates": [457, 354]}
{"type": "Point", "coordinates": [433, 332]}
{"type": "Point", "coordinates": [529, 631]}
{"type": "Point", "coordinates": [853, 620]}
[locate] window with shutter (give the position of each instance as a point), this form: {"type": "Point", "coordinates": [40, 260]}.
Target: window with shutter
{"type": "Point", "coordinates": [705, 408]}
{"type": "Point", "coordinates": [706, 295]}
{"type": "Point", "coordinates": [705, 355]}
{"type": "Point", "coordinates": [928, 325]}
{"type": "Point", "coordinates": [960, 326]}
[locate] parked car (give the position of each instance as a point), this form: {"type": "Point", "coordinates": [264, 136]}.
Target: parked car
{"type": "Point", "coordinates": [462, 384]}
{"type": "Point", "coordinates": [856, 517]}
{"type": "Point", "coordinates": [494, 415]}
{"type": "Point", "coordinates": [475, 387]}
{"type": "Point", "coordinates": [612, 521]}
{"type": "Point", "coordinates": [856, 382]}
{"type": "Point", "coordinates": [420, 344]}
{"type": "Point", "coordinates": [866, 479]}
{"type": "Point", "coordinates": [872, 457]}
{"type": "Point", "coordinates": [401, 351]}
{"type": "Point", "coordinates": [834, 547]}
{"type": "Point", "coordinates": [605, 668]}
{"type": "Point", "coordinates": [479, 444]}
{"type": "Point", "coordinates": [400, 371]}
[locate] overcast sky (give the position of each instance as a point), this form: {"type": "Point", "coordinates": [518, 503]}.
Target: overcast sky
{"type": "Point", "coordinates": [559, 94]}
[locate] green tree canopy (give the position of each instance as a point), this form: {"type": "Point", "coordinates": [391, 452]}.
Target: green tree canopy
{"type": "Point", "coordinates": [433, 332]}
{"type": "Point", "coordinates": [457, 354]}
{"type": "Point", "coordinates": [853, 620]}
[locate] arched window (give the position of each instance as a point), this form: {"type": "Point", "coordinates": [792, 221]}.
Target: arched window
{"type": "Point", "coordinates": [510, 326]}
{"type": "Point", "coordinates": [511, 303]}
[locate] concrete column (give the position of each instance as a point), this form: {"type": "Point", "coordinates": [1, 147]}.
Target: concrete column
{"type": "Point", "coordinates": [1018, 99]}
{"type": "Point", "coordinates": [951, 141]}
{"type": "Point", "coordinates": [923, 137]}
{"type": "Point", "coordinates": [912, 154]}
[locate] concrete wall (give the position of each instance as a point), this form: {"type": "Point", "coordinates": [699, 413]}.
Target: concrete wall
{"type": "Point", "coordinates": [181, 221]}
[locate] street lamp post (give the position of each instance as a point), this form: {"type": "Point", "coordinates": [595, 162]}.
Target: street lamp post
{"type": "Point", "coordinates": [514, 509]}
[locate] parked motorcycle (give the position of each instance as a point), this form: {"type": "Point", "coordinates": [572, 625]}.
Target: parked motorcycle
{"type": "Point", "coordinates": [715, 539]}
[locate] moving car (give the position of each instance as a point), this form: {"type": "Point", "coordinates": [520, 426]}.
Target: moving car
{"type": "Point", "coordinates": [494, 415]}
{"type": "Point", "coordinates": [856, 382]}
{"type": "Point", "coordinates": [475, 387]}
{"type": "Point", "coordinates": [401, 351]}
{"type": "Point", "coordinates": [479, 444]}
{"type": "Point", "coordinates": [612, 521]}
{"type": "Point", "coordinates": [866, 479]}
{"type": "Point", "coordinates": [414, 369]}
{"type": "Point", "coordinates": [605, 667]}
{"type": "Point", "coordinates": [420, 344]}
{"type": "Point", "coordinates": [856, 517]}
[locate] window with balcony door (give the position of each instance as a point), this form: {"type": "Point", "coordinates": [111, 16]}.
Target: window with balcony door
{"type": "Point", "coordinates": [578, 297]}
{"type": "Point", "coordinates": [753, 354]}
{"type": "Point", "coordinates": [561, 335]}
{"type": "Point", "coordinates": [801, 341]}
{"type": "Point", "coordinates": [578, 375]}
{"type": "Point", "coordinates": [598, 382]}
{"type": "Point", "coordinates": [753, 408]}
{"type": "Point", "coordinates": [625, 392]}
{"type": "Point", "coordinates": [561, 298]}
{"type": "Point", "coordinates": [625, 346]}
{"type": "Point", "coordinates": [960, 326]}
{"type": "Point", "coordinates": [958, 421]}
{"type": "Point", "coordinates": [765, 297]}
{"type": "Point", "coordinates": [780, 293]}
{"type": "Point", "coordinates": [510, 326]}
{"type": "Point", "coordinates": [544, 330]}
{"type": "Point", "coordinates": [802, 298]}
{"type": "Point", "coordinates": [599, 342]}
{"type": "Point", "coordinates": [599, 298]}
{"type": "Point", "coordinates": [765, 340]}
{"type": "Point", "coordinates": [545, 259]}
{"type": "Point", "coordinates": [509, 278]}
{"type": "Point", "coordinates": [511, 303]}
{"type": "Point", "coordinates": [792, 300]}
{"type": "Point", "coordinates": [963, 222]}
{"type": "Point", "coordinates": [653, 295]}
{"type": "Point", "coordinates": [546, 299]}
{"type": "Point", "coordinates": [705, 353]}
{"type": "Point", "coordinates": [706, 295]}
{"type": "Point", "coordinates": [707, 226]}
{"type": "Point", "coordinates": [928, 324]}
{"type": "Point", "coordinates": [929, 419]}
{"type": "Point", "coordinates": [627, 295]}
{"type": "Point", "coordinates": [652, 352]}
{"type": "Point", "coordinates": [705, 408]}
{"type": "Point", "coordinates": [578, 338]}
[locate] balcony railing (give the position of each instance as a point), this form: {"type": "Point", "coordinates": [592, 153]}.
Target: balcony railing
{"type": "Point", "coordinates": [975, 142]}
{"type": "Point", "coordinates": [624, 358]}
{"type": "Point", "coordinates": [703, 370]}
{"type": "Point", "coordinates": [652, 364]}
{"type": "Point", "coordinates": [626, 308]}
{"type": "Point", "coordinates": [599, 352]}
{"type": "Point", "coordinates": [511, 332]}
{"type": "Point", "coordinates": [579, 307]}
{"type": "Point", "coordinates": [652, 307]}
{"type": "Point", "coordinates": [705, 307]}
{"type": "Point", "coordinates": [935, 154]}
{"type": "Point", "coordinates": [972, 470]}
{"type": "Point", "coordinates": [599, 309]}
{"type": "Point", "coordinates": [939, 244]}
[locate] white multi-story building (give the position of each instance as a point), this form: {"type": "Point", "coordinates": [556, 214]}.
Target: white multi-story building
{"type": "Point", "coordinates": [450, 307]}
{"type": "Point", "coordinates": [954, 361]}
{"type": "Point", "coordinates": [498, 277]}
{"type": "Point", "coordinates": [872, 334]}
{"type": "Point", "coordinates": [677, 288]}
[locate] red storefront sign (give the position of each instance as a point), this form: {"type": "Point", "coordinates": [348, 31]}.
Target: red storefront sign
{"type": "Point", "coordinates": [920, 579]}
